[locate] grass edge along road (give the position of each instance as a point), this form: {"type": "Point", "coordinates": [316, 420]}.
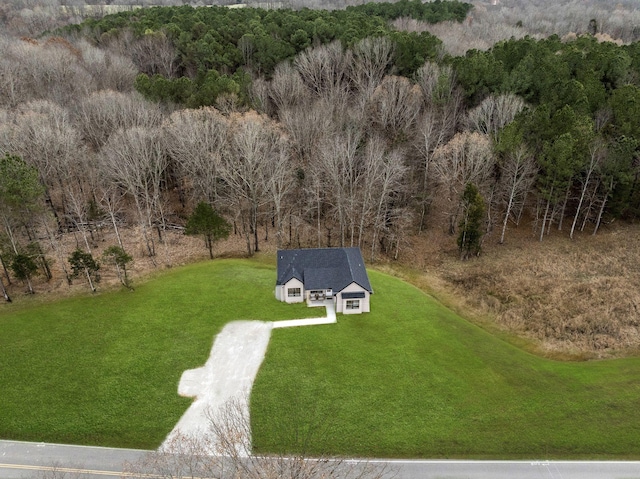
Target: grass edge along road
{"type": "Point", "coordinates": [410, 379]}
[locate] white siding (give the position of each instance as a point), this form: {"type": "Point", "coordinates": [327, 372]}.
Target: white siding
{"type": "Point", "coordinates": [364, 302]}
{"type": "Point", "coordinates": [279, 292]}
{"type": "Point", "coordinates": [293, 283]}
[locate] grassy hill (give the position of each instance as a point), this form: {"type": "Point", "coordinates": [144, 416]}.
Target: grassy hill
{"type": "Point", "coordinates": [104, 369]}
{"type": "Point", "coordinates": [410, 379]}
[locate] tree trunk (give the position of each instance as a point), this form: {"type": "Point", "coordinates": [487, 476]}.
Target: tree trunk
{"type": "Point", "coordinates": [119, 274]}
{"type": "Point", "coordinates": [319, 208]}
{"type": "Point", "coordinates": [373, 243]}
{"type": "Point", "coordinates": [544, 219]}
{"type": "Point", "coordinates": [564, 205]}
{"type": "Point", "coordinates": [30, 286]}
{"type": "Point", "coordinates": [423, 212]}
{"type": "Point", "coordinates": [115, 228]}
{"type": "Point", "coordinates": [489, 227]}
{"type": "Point", "coordinates": [604, 202]}
{"type": "Point", "coordinates": [247, 235]}
{"type": "Point", "coordinates": [279, 227]}
{"type": "Point", "coordinates": [6, 273]}
{"type": "Point", "coordinates": [56, 248]}
{"type": "Point", "coordinates": [254, 225]}
{"type": "Point", "coordinates": [4, 291]}
{"type": "Point", "coordinates": [49, 203]}
{"type": "Point", "coordinates": [151, 248]}
{"type": "Point", "coordinates": [126, 278]}
{"type": "Point", "coordinates": [45, 264]}
{"type": "Point", "coordinates": [209, 242]}
{"type": "Point", "coordinates": [93, 289]}
{"type": "Point", "coordinates": [521, 210]}
{"type": "Point", "coordinates": [6, 296]}
{"type": "Point", "coordinates": [506, 217]}
{"type": "Point", "coordinates": [592, 201]}
{"type": "Point", "coordinates": [9, 231]}
{"type": "Point", "coordinates": [582, 193]}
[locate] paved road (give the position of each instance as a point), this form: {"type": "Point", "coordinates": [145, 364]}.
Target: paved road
{"type": "Point", "coordinates": [516, 470]}
{"type": "Point", "coordinates": [20, 460]}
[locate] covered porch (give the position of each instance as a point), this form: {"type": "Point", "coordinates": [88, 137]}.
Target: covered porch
{"type": "Point", "coordinates": [318, 297]}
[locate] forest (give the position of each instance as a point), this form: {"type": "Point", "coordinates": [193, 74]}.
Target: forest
{"type": "Point", "coordinates": [356, 126]}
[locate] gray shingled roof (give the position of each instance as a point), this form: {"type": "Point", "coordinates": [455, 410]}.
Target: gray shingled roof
{"type": "Point", "coordinates": [323, 268]}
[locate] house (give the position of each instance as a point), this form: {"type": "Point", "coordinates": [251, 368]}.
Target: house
{"type": "Point", "coordinates": [319, 274]}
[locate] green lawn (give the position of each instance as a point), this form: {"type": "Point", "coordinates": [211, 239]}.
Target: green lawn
{"type": "Point", "coordinates": [412, 379]}
{"type": "Point", "coordinates": [104, 369]}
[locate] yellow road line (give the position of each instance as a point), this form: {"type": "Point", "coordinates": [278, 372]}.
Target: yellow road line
{"type": "Point", "coordinates": [72, 470]}
{"type": "Point", "coordinates": [62, 469]}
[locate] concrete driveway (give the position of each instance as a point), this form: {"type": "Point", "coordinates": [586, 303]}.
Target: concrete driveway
{"type": "Point", "coordinates": [237, 353]}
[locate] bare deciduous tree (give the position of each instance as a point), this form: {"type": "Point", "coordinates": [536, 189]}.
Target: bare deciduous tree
{"type": "Point", "coordinates": [224, 452]}
{"type": "Point", "coordinates": [597, 154]}
{"type": "Point", "coordinates": [338, 156]}
{"type": "Point", "coordinates": [111, 197]}
{"type": "Point", "coordinates": [372, 57]}
{"type": "Point", "coordinates": [196, 140]}
{"type": "Point", "coordinates": [383, 175]}
{"type": "Point", "coordinates": [436, 125]}
{"type": "Point", "coordinates": [109, 69]}
{"type": "Point", "coordinates": [396, 103]}
{"type": "Point", "coordinates": [434, 129]}
{"type": "Point", "coordinates": [305, 128]}
{"type": "Point", "coordinates": [259, 94]}
{"type": "Point", "coordinates": [287, 89]}
{"type": "Point", "coordinates": [324, 68]}
{"type": "Point", "coordinates": [280, 178]}
{"type": "Point", "coordinates": [43, 134]}
{"type": "Point", "coordinates": [438, 85]}
{"type": "Point", "coordinates": [153, 54]}
{"type": "Point", "coordinates": [517, 177]}
{"type": "Point", "coordinates": [135, 159]}
{"type": "Point", "coordinates": [102, 113]}
{"type": "Point", "coordinates": [494, 113]}
{"type": "Point", "coordinates": [467, 158]}
{"type": "Point", "coordinates": [253, 144]}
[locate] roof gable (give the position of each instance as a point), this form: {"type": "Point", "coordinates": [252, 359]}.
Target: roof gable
{"type": "Point", "coordinates": [323, 268]}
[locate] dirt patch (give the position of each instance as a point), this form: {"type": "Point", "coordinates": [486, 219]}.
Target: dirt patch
{"type": "Point", "coordinates": [174, 249]}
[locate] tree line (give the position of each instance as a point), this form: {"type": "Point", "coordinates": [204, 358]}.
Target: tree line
{"type": "Point", "coordinates": [334, 146]}
{"type": "Point", "coordinates": [191, 55]}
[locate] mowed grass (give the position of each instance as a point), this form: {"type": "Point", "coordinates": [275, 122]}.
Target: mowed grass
{"type": "Point", "coordinates": [412, 379]}
{"type": "Point", "coordinates": [104, 369]}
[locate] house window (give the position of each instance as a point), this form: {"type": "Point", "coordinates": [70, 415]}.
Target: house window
{"type": "Point", "coordinates": [294, 292]}
{"type": "Point", "coordinates": [353, 304]}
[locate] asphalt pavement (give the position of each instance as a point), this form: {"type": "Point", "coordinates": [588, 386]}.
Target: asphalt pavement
{"type": "Point", "coordinates": [20, 460]}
